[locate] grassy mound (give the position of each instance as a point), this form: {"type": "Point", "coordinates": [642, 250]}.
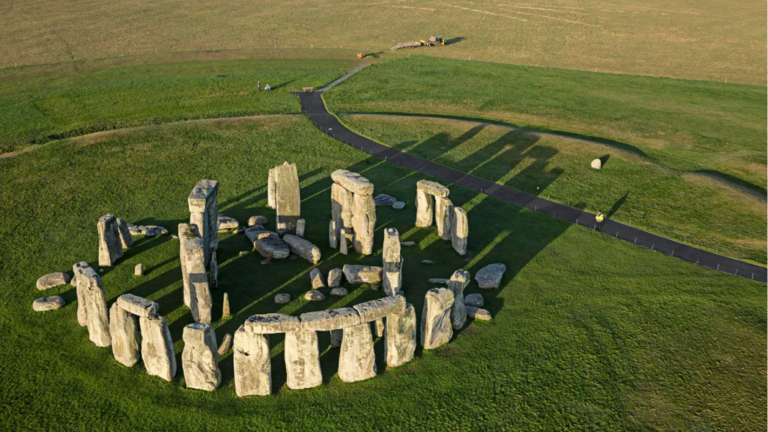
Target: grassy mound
{"type": "Point", "coordinates": [589, 332]}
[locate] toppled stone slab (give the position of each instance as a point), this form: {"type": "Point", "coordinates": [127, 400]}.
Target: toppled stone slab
{"type": "Point", "coordinates": [438, 281]}
{"type": "Point", "coordinates": [357, 361]}
{"type": "Point", "coordinates": [459, 231]}
{"type": "Point", "coordinates": [489, 277]}
{"type": "Point", "coordinates": [436, 327]}
{"type": "Point", "coordinates": [331, 319]}
{"type": "Point", "coordinates": [200, 358]}
{"type": "Point", "coordinates": [272, 323]}
{"type": "Point", "coordinates": [302, 360]}
{"type": "Point", "coordinates": [314, 296]}
{"type": "Point", "coordinates": [124, 331]}
{"type": "Point", "coordinates": [303, 248]}
{"type": "Point", "coordinates": [253, 369]}
{"type": "Point", "coordinates": [384, 200]}
{"type": "Point", "coordinates": [478, 313]}
{"type": "Point", "coordinates": [226, 223]}
{"type": "Point", "coordinates": [52, 280]}
{"type": "Point", "coordinates": [126, 238]}
{"type": "Point", "coordinates": [110, 246]}
{"type": "Point", "coordinates": [353, 182]}
{"type": "Point", "coordinates": [475, 300]}
{"type": "Point", "coordinates": [340, 292]}
{"type": "Point", "coordinates": [316, 277]}
{"type": "Point", "coordinates": [282, 298]}
{"type": "Point", "coordinates": [48, 303]}
{"type": "Point", "coordinates": [257, 220]}
{"type": "Point", "coordinates": [400, 337]}
{"type": "Point", "coordinates": [138, 306]}
{"type": "Point", "coordinates": [226, 345]}
{"type": "Point", "coordinates": [138, 270]}
{"type": "Point", "coordinates": [359, 274]}
{"type": "Point", "coordinates": [457, 284]}
{"type": "Point", "coordinates": [596, 164]}
{"type": "Point", "coordinates": [157, 348]}
{"type": "Point", "coordinates": [398, 205]}
{"type": "Point", "coordinates": [379, 308]}
{"type": "Point", "coordinates": [334, 278]}
{"type": "Point", "coordinates": [433, 188]}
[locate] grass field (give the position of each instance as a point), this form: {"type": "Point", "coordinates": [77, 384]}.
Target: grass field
{"type": "Point", "coordinates": [628, 188]}
{"type": "Point", "coordinates": [706, 39]}
{"type": "Point", "coordinates": [686, 125]}
{"type": "Point", "coordinates": [589, 332]}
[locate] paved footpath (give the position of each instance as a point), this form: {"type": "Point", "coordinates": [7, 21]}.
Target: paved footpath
{"type": "Point", "coordinates": [312, 105]}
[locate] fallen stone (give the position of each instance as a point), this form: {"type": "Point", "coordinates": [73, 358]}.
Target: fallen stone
{"type": "Point", "coordinates": [384, 200]}
{"type": "Point", "coordinates": [138, 306]}
{"type": "Point", "coordinates": [316, 276]}
{"type": "Point", "coordinates": [334, 278]}
{"type": "Point", "coordinates": [124, 331]}
{"type": "Point", "coordinates": [301, 226]}
{"type": "Point", "coordinates": [379, 308]}
{"type": "Point", "coordinates": [126, 238]}
{"type": "Point", "coordinates": [459, 231]}
{"type": "Point", "coordinates": [353, 182]}
{"type": "Point", "coordinates": [302, 360]}
{"type": "Point", "coordinates": [272, 248]}
{"type": "Point", "coordinates": [427, 262]}
{"type": "Point", "coordinates": [303, 248]}
{"type": "Point", "coordinates": [282, 298]}
{"type": "Point", "coordinates": [407, 243]}
{"type": "Point", "coordinates": [272, 323]}
{"type": "Point", "coordinates": [339, 292]}
{"type": "Point", "coordinates": [438, 281]}
{"type": "Point", "coordinates": [596, 164]}
{"type": "Point", "coordinates": [328, 320]}
{"type": "Point", "coordinates": [478, 313]}
{"type": "Point", "coordinates": [200, 358]}
{"type": "Point", "coordinates": [433, 188]}
{"type": "Point", "coordinates": [257, 220]}
{"type": "Point", "coordinates": [489, 277]}
{"type": "Point", "coordinates": [154, 230]}
{"type": "Point", "coordinates": [475, 300]}
{"type": "Point", "coordinates": [110, 246]}
{"type": "Point", "coordinates": [363, 223]}
{"type": "Point", "coordinates": [52, 280]}
{"type": "Point", "coordinates": [444, 211]}
{"type": "Point", "coordinates": [157, 348]}
{"type": "Point", "coordinates": [96, 313]}
{"type": "Point", "coordinates": [400, 337]}
{"type": "Point", "coordinates": [226, 345]}
{"type": "Point", "coordinates": [287, 198]}
{"type": "Point", "coordinates": [138, 270]}
{"type": "Point", "coordinates": [48, 303]}
{"type": "Point", "coordinates": [436, 328]}
{"type": "Point", "coordinates": [357, 361]}
{"type": "Point", "coordinates": [459, 281]}
{"type": "Point", "coordinates": [135, 229]}
{"type": "Point", "coordinates": [314, 296]}
{"type": "Point", "coordinates": [392, 276]}
{"type": "Point", "coordinates": [398, 205]}
{"type": "Point", "coordinates": [359, 274]}
{"type": "Point", "coordinates": [225, 312]}
{"type": "Point", "coordinates": [251, 359]}
{"type": "Point", "coordinates": [226, 223]}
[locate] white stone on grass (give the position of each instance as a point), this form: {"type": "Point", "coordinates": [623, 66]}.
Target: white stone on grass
{"type": "Point", "coordinates": [303, 248]}
{"type": "Point", "coordinates": [596, 164]}
{"type": "Point", "coordinates": [138, 270]}
{"type": "Point", "coordinates": [287, 198]}
{"type": "Point", "coordinates": [489, 277]}
{"type": "Point", "coordinates": [126, 238]}
{"type": "Point", "coordinates": [48, 303]}
{"type": "Point", "coordinates": [444, 211]}
{"type": "Point", "coordinates": [52, 280]}
{"type": "Point", "coordinates": [384, 200]}
{"type": "Point", "coordinates": [226, 223]}
{"type": "Point", "coordinates": [334, 278]}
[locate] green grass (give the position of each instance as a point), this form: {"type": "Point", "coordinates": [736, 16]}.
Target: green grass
{"type": "Point", "coordinates": [695, 209]}
{"type": "Point", "coordinates": [51, 102]}
{"type": "Point", "coordinates": [686, 125]}
{"type": "Point", "coordinates": [589, 332]}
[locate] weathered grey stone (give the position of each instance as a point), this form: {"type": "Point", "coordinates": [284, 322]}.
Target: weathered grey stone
{"type": "Point", "coordinates": [363, 223]}
{"type": "Point", "coordinates": [187, 232]}
{"type": "Point", "coordinates": [343, 245]}
{"type": "Point", "coordinates": [457, 284]}
{"type": "Point", "coordinates": [392, 276]}
{"type": "Point", "coordinates": [341, 292]}
{"type": "Point", "coordinates": [272, 323]}
{"type": "Point", "coordinates": [287, 198]}
{"type": "Point", "coordinates": [359, 274]}
{"type": "Point", "coordinates": [253, 370]}
{"type": "Point", "coordinates": [52, 280]}
{"type": "Point", "coordinates": [257, 220]}
{"type": "Point", "coordinates": [357, 361]}
{"type": "Point", "coordinates": [282, 298]}
{"type": "Point", "coordinates": [334, 278]}
{"type": "Point", "coordinates": [135, 229]}
{"type": "Point", "coordinates": [204, 213]}
{"type": "Point", "coordinates": [433, 188]}
{"type": "Point", "coordinates": [200, 301]}
{"type": "Point", "coordinates": [336, 337]}
{"type": "Point", "coordinates": [353, 182]}
{"type": "Point", "coordinates": [475, 300]}
{"type": "Point", "coordinates": [596, 164]}
{"type": "Point", "coordinates": [444, 217]}
{"type": "Point", "coordinates": [213, 272]}
{"type": "Point", "coordinates": [96, 313]}
{"type": "Point", "coordinates": [333, 240]}
{"type": "Point", "coordinates": [407, 243]}
{"type": "Point", "coordinates": [459, 231]}
{"type": "Point", "coordinates": [384, 200]}
{"type": "Point", "coordinates": [379, 308]}
{"type": "Point", "coordinates": [302, 360]}
{"type": "Point", "coordinates": [301, 226]}
{"type": "Point", "coordinates": [400, 337]}
{"type": "Point", "coordinates": [48, 303]}
{"type": "Point", "coordinates": [271, 188]}
{"type": "Point", "coordinates": [489, 277]}
{"type": "Point", "coordinates": [110, 246]}
{"type": "Point", "coordinates": [424, 208]}
{"type": "Point", "coordinates": [226, 345]}
{"type": "Point", "coordinates": [78, 269]}
{"type": "Point", "coordinates": [138, 306]}
{"type": "Point", "coordinates": [429, 262]}
{"type": "Point", "coordinates": [342, 203]}
{"type": "Point", "coordinates": [124, 331]}
{"type": "Point", "coordinates": [138, 270]}
{"type": "Point", "coordinates": [126, 238]}
{"type": "Point", "coordinates": [200, 358]}
{"type": "Point", "coordinates": [438, 281]}
{"type": "Point", "coordinates": [314, 295]}
{"type": "Point", "coordinates": [272, 248]}
{"type": "Point", "coordinates": [225, 312]}
{"type": "Point", "coordinates": [478, 313]}
{"type": "Point", "coordinates": [303, 248]}
{"type": "Point", "coordinates": [157, 348]}
{"type": "Point", "coordinates": [154, 230]}
{"type": "Point", "coordinates": [316, 276]}
{"type": "Point", "coordinates": [377, 327]}
{"type": "Point", "coordinates": [226, 223]}
{"type": "Point", "coordinates": [436, 328]}
{"type": "Point", "coordinates": [328, 320]}
{"type": "Point", "coordinates": [398, 205]}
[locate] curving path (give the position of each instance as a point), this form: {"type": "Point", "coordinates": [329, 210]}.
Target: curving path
{"type": "Point", "coordinates": [313, 106]}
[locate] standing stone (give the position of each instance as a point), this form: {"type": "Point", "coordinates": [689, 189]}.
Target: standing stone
{"type": "Point", "coordinates": [302, 359]}
{"type": "Point", "coordinates": [138, 270]}
{"type": "Point", "coordinates": [124, 331]}
{"type": "Point", "coordinates": [424, 204]}
{"type": "Point", "coordinates": [342, 202]}
{"type": "Point", "coordinates": [257, 220]}
{"type": "Point", "coordinates": [213, 272]}
{"type": "Point", "coordinates": [157, 347]}
{"type": "Point", "coordinates": [204, 213]}
{"type": "Point", "coordinates": [96, 314]}
{"type": "Point", "coordinates": [400, 337]}
{"type": "Point", "coordinates": [110, 246]}
{"type": "Point", "coordinates": [200, 301]}
{"type": "Point", "coordinates": [457, 284]}
{"type": "Point", "coordinates": [359, 274]}
{"type": "Point", "coordinates": [301, 225]}
{"type": "Point", "coordinates": [200, 358]}
{"type": "Point", "coordinates": [378, 328]}
{"type": "Point", "coordinates": [52, 280]}
{"type": "Point", "coordinates": [226, 224]}
{"type": "Point", "coordinates": [489, 277]}
{"type": "Point", "coordinates": [444, 217]}
{"type": "Point", "coordinates": [475, 300]}
{"type": "Point", "coordinates": [596, 164]}
{"type": "Point", "coordinates": [282, 298]}
{"type": "Point", "coordinates": [287, 197]}
{"type": "Point", "coordinates": [253, 370]}
{"type": "Point", "coordinates": [271, 187]}
{"type": "Point", "coordinates": [363, 223]}
{"type": "Point", "coordinates": [343, 246]}
{"type": "Point", "coordinates": [126, 239]}
{"type": "Point", "coordinates": [334, 278]}
{"type": "Point", "coordinates": [336, 337]}
{"type": "Point", "coordinates": [79, 269]}
{"type": "Point", "coordinates": [357, 361]}
{"type": "Point", "coordinates": [436, 328]}
{"type": "Point", "coordinates": [316, 276]}
{"type": "Point", "coordinates": [303, 248]}
{"type": "Point", "coordinates": [353, 182]}
{"type": "Point", "coordinates": [459, 231]}
{"type": "Point", "coordinates": [226, 345]}
{"type": "Point", "coordinates": [225, 313]}
{"type": "Point", "coordinates": [392, 276]}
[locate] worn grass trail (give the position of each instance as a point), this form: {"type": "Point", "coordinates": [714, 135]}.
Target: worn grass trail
{"type": "Point", "coordinates": [589, 332]}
